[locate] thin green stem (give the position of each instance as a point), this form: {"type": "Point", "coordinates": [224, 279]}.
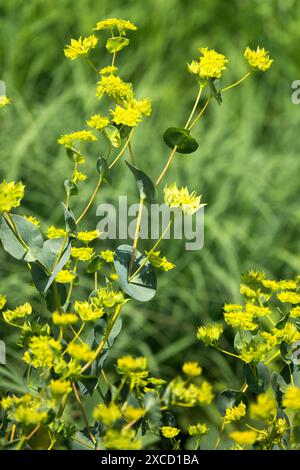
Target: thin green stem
{"type": "Point", "coordinates": [227, 352]}
{"type": "Point", "coordinates": [152, 249]}
{"type": "Point", "coordinates": [123, 149]}
{"type": "Point", "coordinates": [170, 159]}
{"type": "Point", "coordinates": [78, 399]}
{"type": "Point", "coordinates": [220, 436]}
{"type": "Point", "coordinates": [272, 358]}
{"type": "Point", "coordinates": [194, 107]}
{"type": "Point", "coordinates": [91, 200]}
{"type": "Point", "coordinates": [201, 113]}
{"type": "Point", "coordinates": [136, 235]}
{"type": "Point", "coordinates": [92, 65]}
{"type": "Point", "coordinates": [237, 83]}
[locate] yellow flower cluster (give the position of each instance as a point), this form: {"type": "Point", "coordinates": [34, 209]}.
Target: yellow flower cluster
{"type": "Point", "coordinates": [98, 122]}
{"type": "Point", "coordinates": [120, 440]}
{"type": "Point", "coordinates": [259, 59]}
{"type": "Point", "coordinates": [65, 277]}
{"type": "Point", "coordinates": [158, 261]}
{"type": "Point", "coordinates": [169, 431]}
{"type": "Point", "coordinates": [174, 197]}
{"type": "Point", "coordinates": [111, 23]}
{"type": "Point", "coordinates": [191, 369]}
{"type": "Point", "coordinates": [33, 220]}
{"type": "Point", "coordinates": [88, 237]}
{"type": "Point", "coordinates": [82, 254]}
{"type": "Point", "coordinates": [133, 414]}
{"type": "Point", "coordinates": [42, 351]}
{"type": "Point", "coordinates": [115, 88]}
{"type": "Point", "coordinates": [54, 232]}
{"type": "Point", "coordinates": [244, 317]}
{"type": "Point", "coordinates": [264, 408]}
{"type": "Point", "coordinates": [27, 410]}
{"type": "Point", "coordinates": [20, 312]}
{"type": "Point", "coordinates": [81, 352]}
{"type": "Point", "coordinates": [2, 301]}
{"type": "Point", "coordinates": [235, 413]}
{"type": "Point", "coordinates": [80, 136]}
{"type": "Point", "coordinates": [289, 297]}
{"type": "Point", "coordinates": [80, 47]}
{"type": "Point", "coordinates": [128, 364]}
{"type": "Point", "coordinates": [4, 101]}
{"type": "Point", "coordinates": [280, 285]}
{"type": "Point", "coordinates": [244, 438]}
{"type": "Point", "coordinates": [108, 298]}
{"type": "Point", "coordinates": [291, 398]}
{"type": "Point", "coordinates": [88, 311]}
{"type": "Point", "coordinates": [109, 70]}
{"type": "Point", "coordinates": [198, 429]}
{"type": "Point", "coordinates": [11, 195]}
{"type": "Point", "coordinates": [64, 318]}
{"type": "Point", "coordinates": [108, 256]}
{"type": "Point", "coordinates": [211, 63]}
{"type": "Point", "coordinates": [60, 387]}
{"type": "Point", "coordinates": [132, 114]}
{"type": "Point", "coordinates": [108, 415]}
{"type": "Point", "coordinates": [187, 394]}
{"type": "Point", "coordinates": [210, 334]}
{"type": "Point", "coordinates": [78, 176]}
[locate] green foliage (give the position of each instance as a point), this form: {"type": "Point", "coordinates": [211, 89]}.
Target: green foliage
{"type": "Point", "coordinates": [245, 149]}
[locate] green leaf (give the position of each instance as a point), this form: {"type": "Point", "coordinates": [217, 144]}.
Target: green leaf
{"type": "Point", "coordinates": [71, 188]}
{"type": "Point", "coordinates": [257, 377]}
{"type": "Point", "coordinates": [113, 135]}
{"type": "Point", "coordinates": [145, 186]}
{"type": "Point", "coordinates": [241, 339]}
{"type": "Point", "coordinates": [50, 299]}
{"type": "Point", "coordinates": [152, 407]}
{"type": "Point", "coordinates": [116, 44]}
{"type": "Point", "coordinates": [215, 90]}
{"type": "Point", "coordinates": [103, 169]}
{"type": "Point", "coordinates": [279, 386]}
{"type": "Point", "coordinates": [29, 233]}
{"type": "Point", "coordinates": [95, 265]}
{"type": "Point", "coordinates": [281, 324]}
{"type": "Point", "coordinates": [88, 384]}
{"type": "Point", "coordinates": [124, 130]}
{"type": "Point", "coordinates": [51, 251]}
{"type": "Point", "coordinates": [70, 220]}
{"type": "Point", "coordinates": [181, 139]}
{"type": "Point", "coordinates": [230, 398]}
{"type": "Point", "coordinates": [143, 286]}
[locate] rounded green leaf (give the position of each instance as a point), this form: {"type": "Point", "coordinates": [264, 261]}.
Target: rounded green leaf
{"type": "Point", "coordinates": [181, 139]}
{"type": "Point", "coordinates": [143, 286]}
{"type": "Point", "coordinates": [113, 135]}
{"type": "Point", "coordinates": [116, 44]}
{"type": "Point", "coordinates": [32, 238]}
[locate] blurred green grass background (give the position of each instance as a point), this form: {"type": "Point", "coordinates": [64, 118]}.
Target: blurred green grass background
{"type": "Point", "coordinates": [247, 165]}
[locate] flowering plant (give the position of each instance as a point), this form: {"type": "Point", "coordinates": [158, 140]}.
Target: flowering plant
{"type": "Point", "coordinates": [66, 340]}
